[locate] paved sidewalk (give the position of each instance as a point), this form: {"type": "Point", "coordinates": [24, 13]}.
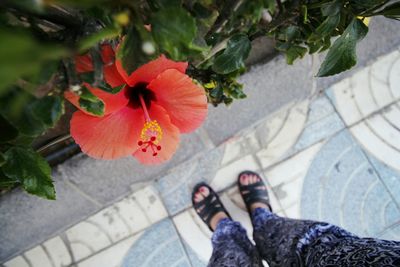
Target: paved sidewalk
{"type": "Point", "coordinates": [333, 157]}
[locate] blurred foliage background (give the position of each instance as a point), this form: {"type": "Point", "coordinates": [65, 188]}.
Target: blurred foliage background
{"type": "Point", "coordinates": [40, 39]}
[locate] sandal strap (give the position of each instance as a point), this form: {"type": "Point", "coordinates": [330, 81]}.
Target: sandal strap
{"type": "Point", "coordinates": [252, 186]}
{"type": "Point", "coordinates": [209, 206]}
{"type": "Point", "coordinates": [252, 193]}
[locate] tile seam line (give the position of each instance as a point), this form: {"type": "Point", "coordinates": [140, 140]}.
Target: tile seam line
{"type": "Point", "coordinates": [380, 177]}
{"type": "Point", "coordinates": [76, 262]}
{"type": "Point", "coordinates": [181, 242]}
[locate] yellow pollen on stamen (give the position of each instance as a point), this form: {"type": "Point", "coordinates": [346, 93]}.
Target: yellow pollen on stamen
{"type": "Point", "coordinates": [151, 129]}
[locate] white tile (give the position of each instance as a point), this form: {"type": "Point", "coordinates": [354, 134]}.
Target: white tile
{"type": "Point", "coordinates": [287, 177]}
{"type": "Point", "coordinates": [292, 168]}
{"type": "Point", "coordinates": [385, 130]}
{"type": "Point", "coordinates": [379, 80]}
{"type": "Point", "coordinates": [87, 238]}
{"type": "Point", "coordinates": [132, 214]}
{"type": "Point", "coordinates": [112, 256]}
{"type": "Point", "coordinates": [150, 201]}
{"type": "Point", "coordinates": [394, 79]}
{"type": "Point", "coordinates": [293, 211]}
{"type": "Point", "coordinates": [227, 175]}
{"type": "Point", "coordinates": [392, 114]}
{"type": "Point", "coordinates": [363, 98]}
{"type": "Point", "coordinates": [58, 252]}
{"type": "Point", "coordinates": [18, 261]}
{"type": "Point", "coordinates": [38, 257]}
{"type": "Point", "coordinates": [195, 233]}
{"type": "Point", "coordinates": [233, 149]}
{"type": "Point", "coordinates": [376, 146]}
{"type": "Point", "coordinates": [285, 132]}
{"type": "Point", "coordinates": [344, 102]}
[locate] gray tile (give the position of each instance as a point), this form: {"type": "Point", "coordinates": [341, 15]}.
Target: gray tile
{"type": "Point", "coordinates": [322, 122]}
{"type": "Point", "coordinates": [392, 233]}
{"type": "Point", "coordinates": [341, 187]}
{"type": "Point", "coordinates": [268, 88]}
{"type": "Point", "coordinates": [176, 187]}
{"type": "Point", "coordinates": [379, 40]}
{"type": "Point", "coordinates": [389, 177]}
{"type": "Point", "coordinates": [28, 220]}
{"type": "Point", "coordinates": [107, 181]}
{"type": "Point", "coordinates": [158, 246]}
{"type": "Point", "coordinates": [194, 259]}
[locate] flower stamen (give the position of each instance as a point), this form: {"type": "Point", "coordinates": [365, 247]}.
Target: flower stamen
{"type": "Point", "coordinates": [151, 133]}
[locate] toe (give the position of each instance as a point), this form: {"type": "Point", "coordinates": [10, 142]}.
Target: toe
{"type": "Point", "coordinates": [198, 197]}
{"type": "Point", "coordinates": [204, 191]}
{"type": "Point", "coordinates": [243, 179]}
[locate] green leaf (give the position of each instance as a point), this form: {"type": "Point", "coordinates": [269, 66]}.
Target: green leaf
{"type": "Point", "coordinates": [233, 57]}
{"type": "Point", "coordinates": [15, 107]}
{"type": "Point", "coordinates": [6, 182]}
{"type": "Point", "coordinates": [8, 131]}
{"type": "Point", "coordinates": [23, 56]}
{"type": "Point", "coordinates": [332, 8]}
{"type": "Point", "coordinates": [137, 48]}
{"type": "Point", "coordinates": [92, 40]}
{"type": "Point", "coordinates": [48, 110]}
{"type": "Point", "coordinates": [295, 52]}
{"type": "Point", "coordinates": [326, 28]}
{"type": "Point", "coordinates": [391, 11]}
{"type": "Point", "coordinates": [174, 30]}
{"type": "Point", "coordinates": [31, 170]}
{"type": "Point", "coordinates": [157, 4]}
{"type": "Point", "coordinates": [342, 55]}
{"type": "Point", "coordinates": [88, 77]}
{"type": "Point", "coordinates": [365, 4]}
{"type": "Point", "coordinates": [91, 103]}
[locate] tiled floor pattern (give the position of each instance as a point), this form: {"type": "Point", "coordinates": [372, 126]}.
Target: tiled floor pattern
{"type": "Point", "coordinates": [334, 158]}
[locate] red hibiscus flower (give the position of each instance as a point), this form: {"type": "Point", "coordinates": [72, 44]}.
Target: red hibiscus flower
{"type": "Point", "coordinates": [158, 102]}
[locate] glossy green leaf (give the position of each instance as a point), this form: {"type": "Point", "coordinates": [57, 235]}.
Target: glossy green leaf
{"type": "Point", "coordinates": [366, 4]}
{"type": "Point", "coordinates": [326, 28]}
{"type": "Point", "coordinates": [391, 11]}
{"type": "Point", "coordinates": [23, 56]}
{"type": "Point", "coordinates": [342, 55]}
{"type": "Point", "coordinates": [31, 170]}
{"type": "Point", "coordinates": [233, 56]}
{"type": "Point", "coordinates": [295, 52]}
{"type": "Point", "coordinates": [8, 131]}
{"type": "Point", "coordinates": [6, 182]}
{"type": "Point", "coordinates": [91, 103]}
{"type": "Point", "coordinates": [15, 107]}
{"type": "Point", "coordinates": [48, 110]}
{"type": "Point", "coordinates": [174, 30]}
{"type": "Point", "coordinates": [137, 48]}
{"type": "Point", "coordinates": [103, 34]}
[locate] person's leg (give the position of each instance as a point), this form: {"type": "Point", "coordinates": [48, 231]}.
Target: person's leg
{"type": "Point", "coordinates": [286, 242]}
{"type": "Point", "coordinates": [289, 242]}
{"type": "Point", "coordinates": [231, 247]}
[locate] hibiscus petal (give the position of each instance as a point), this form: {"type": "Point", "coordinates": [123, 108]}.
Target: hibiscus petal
{"type": "Point", "coordinates": [112, 76]}
{"type": "Point", "coordinates": [170, 138]}
{"type": "Point", "coordinates": [109, 137]}
{"type": "Point", "coordinates": [185, 102]}
{"type": "Point", "coordinates": [112, 102]}
{"type": "Point", "coordinates": [83, 63]}
{"type": "Point", "coordinates": [151, 70]}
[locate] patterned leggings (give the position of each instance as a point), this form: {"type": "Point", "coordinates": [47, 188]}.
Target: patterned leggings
{"type": "Point", "coordinates": [288, 242]}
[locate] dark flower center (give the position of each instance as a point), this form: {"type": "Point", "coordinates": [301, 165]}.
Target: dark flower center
{"type": "Point", "coordinates": [134, 92]}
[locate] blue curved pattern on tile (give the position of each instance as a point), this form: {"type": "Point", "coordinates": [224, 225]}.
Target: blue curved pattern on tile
{"type": "Point", "coordinates": [342, 187]}
{"type": "Point", "coordinates": [158, 246]}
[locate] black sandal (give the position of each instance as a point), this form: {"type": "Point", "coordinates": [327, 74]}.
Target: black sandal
{"type": "Point", "coordinates": [209, 206]}
{"type": "Point", "coordinates": [252, 193]}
